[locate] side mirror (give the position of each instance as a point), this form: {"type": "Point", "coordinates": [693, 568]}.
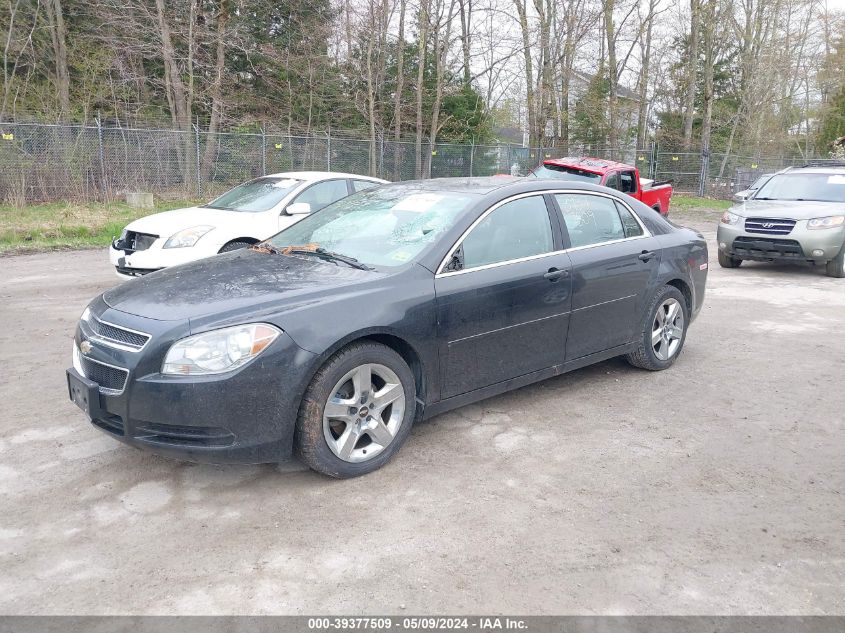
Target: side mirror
{"type": "Point", "coordinates": [298, 208]}
{"type": "Point", "coordinates": [741, 196]}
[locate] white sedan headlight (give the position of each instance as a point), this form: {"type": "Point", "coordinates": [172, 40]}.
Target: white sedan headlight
{"type": "Point", "coordinates": [218, 351]}
{"type": "Point", "coordinates": [187, 237]}
{"type": "Point", "coordinates": [830, 222]}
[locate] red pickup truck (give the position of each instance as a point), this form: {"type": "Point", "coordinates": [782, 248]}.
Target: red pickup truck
{"type": "Point", "coordinates": [619, 176]}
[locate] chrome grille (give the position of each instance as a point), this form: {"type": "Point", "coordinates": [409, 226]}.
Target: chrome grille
{"type": "Point", "coordinates": [109, 332]}
{"type": "Point", "coordinates": [769, 226]}
{"type": "Point", "coordinates": [111, 380]}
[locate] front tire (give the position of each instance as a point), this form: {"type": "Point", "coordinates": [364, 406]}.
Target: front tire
{"type": "Point", "coordinates": [836, 266]}
{"type": "Point", "coordinates": [664, 331]}
{"type": "Point", "coordinates": [726, 261]}
{"type": "Point", "coordinates": [357, 412]}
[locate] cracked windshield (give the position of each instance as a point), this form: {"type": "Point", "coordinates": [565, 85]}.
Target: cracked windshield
{"type": "Point", "coordinates": [383, 227]}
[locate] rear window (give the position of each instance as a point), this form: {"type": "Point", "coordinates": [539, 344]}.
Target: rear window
{"type": "Point", "coordinates": [565, 173]}
{"type": "Point", "coordinates": [804, 186]}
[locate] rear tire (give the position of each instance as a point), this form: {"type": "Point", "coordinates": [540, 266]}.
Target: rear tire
{"type": "Point", "coordinates": [357, 412]}
{"type": "Point", "coordinates": [234, 246]}
{"type": "Point", "coordinates": [836, 266]}
{"type": "Point", "coordinates": [726, 261]}
{"type": "Point", "coordinates": [663, 332]}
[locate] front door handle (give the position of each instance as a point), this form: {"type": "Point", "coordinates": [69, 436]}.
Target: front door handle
{"type": "Point", "coordinates": [554, 274]}
{"type": "Point", "coordinates": [646, 255]}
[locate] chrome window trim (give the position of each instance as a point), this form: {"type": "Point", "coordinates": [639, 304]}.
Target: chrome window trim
{"type": "Point", "coordinates": [110, 342]}
{"type": "Point", "coordinates": [440, 272]}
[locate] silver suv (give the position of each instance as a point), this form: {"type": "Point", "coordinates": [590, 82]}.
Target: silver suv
{"type": "Point", "coordinates": [798, 215]}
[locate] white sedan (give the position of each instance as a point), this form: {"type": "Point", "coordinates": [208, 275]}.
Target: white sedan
{"type": "Point", "coordinates": [247, 214]}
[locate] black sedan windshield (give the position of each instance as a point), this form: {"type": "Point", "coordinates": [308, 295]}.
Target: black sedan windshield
{"type": "Point", "coordinates": [388, 226]}
{"type": "Point", "coordinates": [261, 194]}
{"type": "Point", "coordinates": [804, 186]}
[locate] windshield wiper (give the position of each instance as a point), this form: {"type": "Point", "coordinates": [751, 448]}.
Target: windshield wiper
{"type": "Point", "coordinates": [265, 247]}
{"type": "Point", "coordinates": [327, 255]}
{"type": "Point", "coordinates": [211, 206]}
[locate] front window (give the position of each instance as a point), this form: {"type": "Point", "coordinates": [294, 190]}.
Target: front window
{"type": "Point", "coordinates": [628, 182]}
{"type": "Point", "coordinates": [799, 186]}
{"type": "Point", "coordinates": [261, 194]}
{"type": "Point", "coordinates": [516, 229]}
{"type": "Point", "coordinates": [566, 173]}
{"type": "Point", "coordinates": [388, 226]}
{"type": "Point", "coordinates": [323, 194]}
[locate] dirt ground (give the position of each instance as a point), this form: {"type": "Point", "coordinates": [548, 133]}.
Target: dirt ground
{"type": "Point", "coordinates": [713, 488]}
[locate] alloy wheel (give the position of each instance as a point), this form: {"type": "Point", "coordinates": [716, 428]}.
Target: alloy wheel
{"type": "Point", "coordinates": [364, 412]}
{"type": "Point", "coordinates": [667, 330]}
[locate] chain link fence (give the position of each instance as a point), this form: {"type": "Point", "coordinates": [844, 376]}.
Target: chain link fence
{"type": "Point", "coordinates": [41, 162]}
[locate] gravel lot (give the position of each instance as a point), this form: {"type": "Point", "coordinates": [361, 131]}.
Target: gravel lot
{"type": "Point", "coordinates": [712, 488]}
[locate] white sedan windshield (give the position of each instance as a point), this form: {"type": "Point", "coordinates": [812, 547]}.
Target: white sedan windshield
{"type": "Point", "coordinates": [255, 196]}
{"type": "Point", "coordinates": [388, 226]}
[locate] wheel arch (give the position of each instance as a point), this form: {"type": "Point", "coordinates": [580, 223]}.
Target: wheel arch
{"type": "Point", "coordinates": [685, 289]}
{"type": "Point", "coordinates": [398, 344]}
{"type": "Point", "coordinates": [251, 240]}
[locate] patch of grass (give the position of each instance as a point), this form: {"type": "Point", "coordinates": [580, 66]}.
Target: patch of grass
{"type": "Point", "coordinates": [685, 208]}
{"type": "Point", "coordinates": [59, 225]}
{"type": "Point", "coordinates": [690, 203]}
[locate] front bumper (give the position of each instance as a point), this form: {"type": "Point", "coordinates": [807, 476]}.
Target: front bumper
{"type": "Point", "coordinates": [131, 264]}
{"type": "Point", "coordinates": [801, 245]}
{"type": "Point", "coordinates": [244, 416]}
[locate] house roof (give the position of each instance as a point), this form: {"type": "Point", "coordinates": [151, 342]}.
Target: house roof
{"type": "Point", "coordinates": [621, 91]}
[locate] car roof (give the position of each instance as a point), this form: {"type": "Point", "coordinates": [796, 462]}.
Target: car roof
{"type": "Point", "coordinates": [501, 186]}
{"type": "Point", "coordinates": [822, 167]}
{"type": "Point", "coordinates": [587, 163]}
{"type": "Point", "coordinates": [320, 175]}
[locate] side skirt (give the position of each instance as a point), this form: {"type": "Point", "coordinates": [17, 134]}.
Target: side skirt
{"type": "Point", "coordinates": [464, 399]}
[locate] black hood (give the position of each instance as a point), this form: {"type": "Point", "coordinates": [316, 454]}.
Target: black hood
{"type": "Point", "coordinates": [232, 282]}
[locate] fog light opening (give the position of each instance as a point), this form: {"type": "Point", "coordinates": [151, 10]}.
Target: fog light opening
{"type": "Point", "coordinates": [722, 245]}
{"type": "Point", "coordinates": [818, 252]}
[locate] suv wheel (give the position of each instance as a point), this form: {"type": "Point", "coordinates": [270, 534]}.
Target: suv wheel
{"type": "Point", "coordinates": [726, 261]}
{"type": "Point", "coordinates": [836, 266]}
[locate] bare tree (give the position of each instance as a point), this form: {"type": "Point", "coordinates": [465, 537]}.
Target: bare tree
{"type": "Point", "coordinates": [692, 67]}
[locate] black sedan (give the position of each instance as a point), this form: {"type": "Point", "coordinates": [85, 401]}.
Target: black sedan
{"type": "Point", "coordinates": [393, 305]}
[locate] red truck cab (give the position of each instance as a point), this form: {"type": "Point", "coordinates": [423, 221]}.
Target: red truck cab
{"type": "Point", "coordinates": [619, 176]}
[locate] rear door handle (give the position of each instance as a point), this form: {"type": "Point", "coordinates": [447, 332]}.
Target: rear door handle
{"type": "Point", "coordinates": [554, 274]}
{"type": "Point", "coordinates": [646, 255]}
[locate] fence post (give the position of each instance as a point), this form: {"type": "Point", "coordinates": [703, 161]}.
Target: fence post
{"type": "Point", "coordinates": [471, 156]}
{"type": "Point", "coordinates": [329, 150]}
{"type": "Point", "coordinates": [652, 162]}
{"type": "Point", "coordinates": [263, 151]}
{"type": "Point", "coordinates": [101, 153]}
{"type": "Point", "coordinates": [197, 143]}
{"type": "Point", "coordinates": [705, 170]}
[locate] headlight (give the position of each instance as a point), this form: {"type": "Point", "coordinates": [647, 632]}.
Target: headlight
{"type": "Point", "coordinates": [730, 218]}
{"type": "Point", "coordinates": [826, 223]}
{"type": "Point", "coordinates": [86, 314]}
{"type": "Point", "coordinates": [187, 237]}
{"type": "Point", "coordinates": [218, 351]}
